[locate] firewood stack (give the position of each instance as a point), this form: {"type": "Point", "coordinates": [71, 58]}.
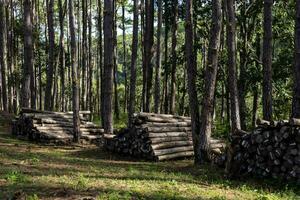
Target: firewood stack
{"type": "Point", "coordinates": [54, 127]}
{"type": "Point", "coordinates": [271, 150]}
{"type": "Point", "coordinates": [157, 137]}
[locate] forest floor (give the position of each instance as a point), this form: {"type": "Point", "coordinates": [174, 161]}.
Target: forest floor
{"type": "Point", "coordinates": [34, 171]}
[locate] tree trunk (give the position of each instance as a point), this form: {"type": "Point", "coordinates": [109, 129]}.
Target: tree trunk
{"type": "Point", "coordinates": [90, 64]}
{"type": "Point", "coordinates": [62, 54]}
{"type": "Point", "coordinates": [210, 81]}
{"type": "Point", "coordinates": [166, 71]}
{"type": "Point", "coordinates": [232, 71]}
{"type": "Point", "coordinates": [108, 66]}
{"type": "Point", "coordinates": [28, 54]}
{"type": "Point", "coordinates": [135, 37]}
{"type": "Point", "coordinates": [158, 59]}
{"type": "Point", "coordinates": [51, 57]}
{"type": "Point", "coordinates": [149, 30]}
{"type": "Point", "coordinates": [115, 58]}
{"type": "Point", "coordinates": [3, 63]}
{"type": "Point", "coordinates": [267, 61]}
{"type": "Point", "coordinates": [174, 56]}
{"type": "Point", "coordinates": [75, 75]}
{"type": "Point", "coordinates": [296, 96]}
{"type": "Point", "coordinates": [84, 55]}
{"type": "Point", "coordinates": [192, 76]}
{"type": "Point", "coordinates": [124, 57]}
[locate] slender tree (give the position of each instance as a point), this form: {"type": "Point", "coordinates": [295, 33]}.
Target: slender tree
{"type": "Point", "coordinates": [158, 58]}
{"type": "Point", "coordinates": [267, 61]}
{"type": "Point", "coordinates": [84, 55]}
{"type": "Point", "coordinates": [210, 80]}
{"type": "Point", "coordinates": [3, 61]}
{"type": "Point", "coordinates": [62, 53]}
{"type": "Point", "coordinates": [124, 55]}
{"type": "Point", "coordinates": [135, 38]}
{"type": "Point", "coordinates": [148, 43]}
{"type": "Point", "coordinates": [28, 54]}
{"type": "Point", "coordinates": [191, 67]}
{"type": "Point", "coordinates": [75, 75]}
{"type": "Point", "coordinates": [296, 96]}
{"type": "Point", "coordinates": [174, 56]}
{"type": "Point", "coordinates": [108, 24]}
{"type": "Point", "coordinates": [51, 57]}
{"type": "Point", "coordinates": [232, 71]}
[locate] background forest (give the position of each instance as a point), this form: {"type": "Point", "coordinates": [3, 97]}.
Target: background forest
{"type": "Point", "coordinates": [51, 76]}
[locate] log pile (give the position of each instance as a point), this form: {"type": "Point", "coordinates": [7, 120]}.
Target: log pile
{"type": "Point", "coordinates": [270, 150]}
{"type": "Point", "coordinates": [54, 127]}
{"type": "Point", "coordinates": [157, 137]}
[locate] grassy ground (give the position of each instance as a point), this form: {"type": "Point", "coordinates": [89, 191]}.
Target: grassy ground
{"type": "Point", "coordinates": [48, 172]}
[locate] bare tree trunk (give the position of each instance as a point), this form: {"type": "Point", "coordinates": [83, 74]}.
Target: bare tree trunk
{"type": "Point", "coordinates": [210, 81]}
{"type": "Point", "coordinates": [166, 72]}
{"type": "Point", "coordinates": [51, 57]}
{"type": "Point", "coordinates": [149, 30]}
{"type": "Point", "coordinates": [296, 96]}
{"type": "Point", "coordinates": [131, 106]}
{"type": "Point", "coordinates": [108, 66]}
{"type": "Point", "coordinates": [84, 55]}
{"type": "Point", "coordinates": [191, 77]}
{"type": "Point", "coordinates": [124, 57]}
{"type": "Point", "coordinates": [158, 59]}
{"type": "Point", "coordinates": [3, 61]}
{"type": "Point", "coordinates": [28, 54]}
{"type": "Point", "coordinates": [267, 61]}
{"type": "Point", "coordinates": [90, 93]}
{"type": "Point", "coordinates": [62, 53]}
{"type": "Point", "coordinates": [75, 75]}
{"type": "Point", "coordinates": [115, 58]}
{"type": "Point", "coordinates": [174, 56]}
{"type": "Point", "coordinates": [232, 71]}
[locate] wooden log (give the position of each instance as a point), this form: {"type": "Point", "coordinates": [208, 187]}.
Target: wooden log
{"type": "Point", "coordinates": [30, 110]}
{"type": "Point", "coordinates": [174, 124]}
{"type": "Point", "coordinates": [167, 129]}
{"type": "Point", "coordinates": [168, 134]}
{"type": "Point", "coordinates": [294, 122]}
{"type": "Point", "coordinates": [170, 139]}
{"type": "Point", "coordinates": [172, 150]}
{"type": "Point", "coordinates": [171, 144]}
{"type": "Point", "coordinates": [166, 116]}
{"type": "Point", "coordinates": [175, 155]}
{"type": "Point", "coordinates": [262, 122]}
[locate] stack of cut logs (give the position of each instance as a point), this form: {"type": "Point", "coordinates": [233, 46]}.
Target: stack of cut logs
{"type": "Point", "coordinates": [271, 150]}
{"type": "Point", "coordinates": [54, 127]}
{"type": "Point", "coordinates": [158, 137]}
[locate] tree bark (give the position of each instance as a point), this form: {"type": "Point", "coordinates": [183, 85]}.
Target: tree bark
{"type": "Point", "coordinates": [115, 58]}
{"type": "Point", "coordinates": [131, 106]}
{"type": "Point", "coordinates": [51, 57]}
{"type": "Point", "coordinates": [124, 57]}
{"type": "Point", "coordinates": [149, 30]}
{"type": "Point", "coordinates": [296, 96]}
{"type": "Point", "coordinates": [108, 66]}
{"type": "Point", "coordinates": [191, 68]}
{"type": "Point", "coordinates": [158, 58]}
{"type": "Point", "coordinates": [3, 61]}
{"type": "Point", "coordinates": [232, 71]}
{"type": "Point", "coordinates": [210, 81]}
{"type": "Point", "coordinates": [84, 55]}
{"type": "Point", "coordinates": [267, 61]}
{"type": "Point", "coordinates": [62, 54]}
{"type": "Point", "coordinates": [28, 54]}
{"type": "Point", "coordinates": [75, 75]}
{"type": "Point", "coordinates": [174, 56]}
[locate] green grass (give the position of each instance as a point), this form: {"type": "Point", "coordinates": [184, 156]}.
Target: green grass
{"type": "Point", "coordinates": [50, 172]}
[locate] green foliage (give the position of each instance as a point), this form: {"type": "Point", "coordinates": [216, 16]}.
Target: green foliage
{"type": "Point", "coordinates": [14, 177]}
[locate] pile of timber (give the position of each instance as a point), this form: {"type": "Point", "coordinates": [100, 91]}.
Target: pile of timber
{"type": "Point", "coordinates": [270, 150]}
{"type": "Point", "coordinates": [54, 127]}
{"type": "Point", "coordinates": [157, 137]}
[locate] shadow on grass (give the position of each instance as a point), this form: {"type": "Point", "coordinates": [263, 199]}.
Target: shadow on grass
{"type": "Point", "coordinates": [42, 160]}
